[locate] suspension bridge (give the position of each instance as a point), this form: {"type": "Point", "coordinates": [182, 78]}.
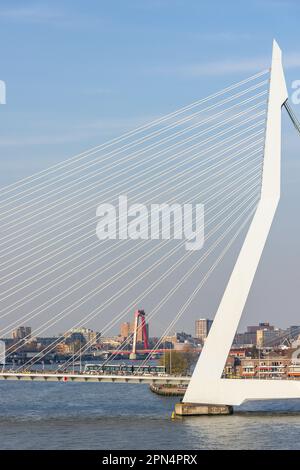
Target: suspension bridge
{"type": "Point", "coordinates": [222, 151]}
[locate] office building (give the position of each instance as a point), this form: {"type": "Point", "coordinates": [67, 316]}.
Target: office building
{"type": "Point", "coordinates": [202, 327]}
{"type": "Point", "coordinates": [21, 332]}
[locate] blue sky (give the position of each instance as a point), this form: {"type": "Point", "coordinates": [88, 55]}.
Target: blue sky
{"type": "Point", "coordinates": [81, 72]}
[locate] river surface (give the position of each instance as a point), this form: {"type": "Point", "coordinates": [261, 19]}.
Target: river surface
{"type": "Point", "coordinates": [128, 416]}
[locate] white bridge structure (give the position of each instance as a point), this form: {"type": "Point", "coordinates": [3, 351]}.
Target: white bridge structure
{"type": "Point", "coordinates": [54, 270]}
{"type": "Point", "coordinates": [109, 378]}
{"type": "Point", "coordinates": [212, 360]}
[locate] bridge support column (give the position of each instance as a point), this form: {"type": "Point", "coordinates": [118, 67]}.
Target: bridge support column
{"type": "Point", "coordinates": [194, 409]}
{"type": "Point", "coordinates": [132, 356]}
{"type": "Point", "coordinates": [207, 384]}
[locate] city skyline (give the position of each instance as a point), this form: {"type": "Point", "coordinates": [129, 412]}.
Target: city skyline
{"type": "Point", "coordinates": [100, 105]}
{"type": "Point", "coordinates": [126, 329]}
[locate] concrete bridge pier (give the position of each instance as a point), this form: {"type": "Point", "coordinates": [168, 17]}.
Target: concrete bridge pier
{"type": "Point", "coordinates": [195, 409]}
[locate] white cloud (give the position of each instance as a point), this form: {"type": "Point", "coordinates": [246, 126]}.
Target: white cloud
{"type": "Point", "coordinates": [220, 36]}
{"type": "Point", "coordinates": [35, 13]}
{"type": "Point", "coordinates": [226, 67]}
{"type": "Point", "coordinates": [276, 3]}
{"type": "Point", "coordinates": [77, 133]}
{"type": "Point", "coordinates": [32, 13]}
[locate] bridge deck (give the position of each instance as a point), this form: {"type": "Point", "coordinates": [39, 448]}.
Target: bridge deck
{"type": "Point", "coordinates": [48, 377]}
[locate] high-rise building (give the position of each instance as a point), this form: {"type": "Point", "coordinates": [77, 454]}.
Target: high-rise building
{"type": "Point", "coordinates": [127, 329]}
{"type": "Point", "coordinates": [89, 336]}
{"type": "Point", "coordinates": [260, 326]}
{"type": "Point", "coordinates": [202, 327]}
{"type": "Point", "coordinates": [21, 332]}
{"type": "Point", "coordinates": [268, 338]}
{"type": "Point", "coordinates": [245, 339]}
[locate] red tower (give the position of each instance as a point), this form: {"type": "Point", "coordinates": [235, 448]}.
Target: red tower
{"type": "Point", "coordinates": [139, 317]}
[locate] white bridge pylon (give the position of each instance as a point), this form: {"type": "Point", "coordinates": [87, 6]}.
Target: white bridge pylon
{"type": "Point", "coordinates": [207, 385]}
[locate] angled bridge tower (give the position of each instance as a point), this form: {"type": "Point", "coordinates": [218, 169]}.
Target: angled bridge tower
{"type": "Point", "coordinates": [207, 385]}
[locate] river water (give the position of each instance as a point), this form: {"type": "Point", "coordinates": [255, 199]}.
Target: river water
{"type": "Point", "coordinates": [128, 416]}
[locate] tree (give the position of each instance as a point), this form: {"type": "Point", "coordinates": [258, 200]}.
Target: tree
{"type": "Point", "coordinates": [76, 346]}
{"type": "Point", "coordinates": [176, 362]}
